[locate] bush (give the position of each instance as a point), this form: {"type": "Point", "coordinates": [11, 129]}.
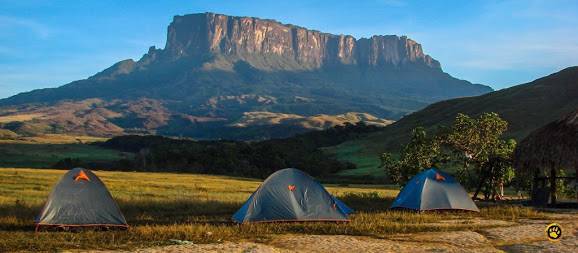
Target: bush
{"type": "Point", "coordinates": [69, 163]}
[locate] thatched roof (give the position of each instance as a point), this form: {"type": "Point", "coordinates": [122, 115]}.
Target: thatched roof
{"type": "Point", "coordinates": [554, 145]}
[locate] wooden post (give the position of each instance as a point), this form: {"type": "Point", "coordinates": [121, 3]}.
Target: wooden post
{"type": "Point", "coordinates": [535, 186]}
{"type": "Point", "coordinates": [553, 185]}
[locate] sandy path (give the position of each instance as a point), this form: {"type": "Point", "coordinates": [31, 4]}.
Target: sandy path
{"type": "Point", "coordinates": [339, 243]}
{"type": "Point", "coordinates": [243, 247]}
{"type": "Point", "coordinates": [524, 236]}
{"type": "Point", "coordinates": [530, 237]}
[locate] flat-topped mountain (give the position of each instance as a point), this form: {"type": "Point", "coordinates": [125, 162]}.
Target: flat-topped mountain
{"type": "Point", "coordinates": [270, 45]}
{"type": "Point", "coordinates": [215, 70]}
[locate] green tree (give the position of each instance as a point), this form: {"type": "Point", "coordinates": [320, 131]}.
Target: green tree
{"type": "Point", "coordinates": [420, 153]}
{"type": "Point", "coordinates": [497, 171]}
{"type": "Point", "coordinates": [474, 141]}
{"type": "Point", "coordinates": [391, 167]}
{"type": "Point", "coordinates": [484, 159]}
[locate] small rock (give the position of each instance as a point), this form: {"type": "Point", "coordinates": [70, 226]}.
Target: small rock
{"type": "Point", "coordinates": [181, 242]}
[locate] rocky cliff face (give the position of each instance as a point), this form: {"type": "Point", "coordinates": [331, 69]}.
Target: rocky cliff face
{"type": "Point", "coordinates": [246, 38]}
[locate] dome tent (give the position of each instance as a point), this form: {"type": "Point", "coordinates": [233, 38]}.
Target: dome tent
{"type": "Point", "coordinates": [434, 190]}
{"type": "Point", "coordinates": [80, 199]}
{"type": "Point", "coordinates": [291, 195]}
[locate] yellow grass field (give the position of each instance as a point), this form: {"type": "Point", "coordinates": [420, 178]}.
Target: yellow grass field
{"type": "Point", "coordinates": [53, 139]}
{"type": "Point", "coordinates": [20, 117]}
{"type": "Point", "coordinates": [161, 207]}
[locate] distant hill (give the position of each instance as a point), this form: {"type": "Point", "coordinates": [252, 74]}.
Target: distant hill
{"type": "Point", "coordinates": [316, 122]}
{"type": "Point", "coordinates": [217, 69]}
{"type": "Point", "coordinates": [249, 159]}
{"type": "Point", "coordinates": [526, 107]}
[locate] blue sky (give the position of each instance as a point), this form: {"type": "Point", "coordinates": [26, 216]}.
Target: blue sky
{"type": "Point", "coordinates": [499, 43]}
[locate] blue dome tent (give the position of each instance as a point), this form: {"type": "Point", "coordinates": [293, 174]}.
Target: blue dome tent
{"type": "Point", "coordinates": [434, 190]}
{"type": "Point", "coordinates": [291, 195]}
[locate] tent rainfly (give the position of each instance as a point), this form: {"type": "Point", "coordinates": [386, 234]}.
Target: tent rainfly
{"type": "Point", "coordinates": [434, 190]}
{"type": "Point", "coordinates": [291, 195]}
{"type": "Point", "coordinates": [547, 150]}
{"type": "Point", "coordinates": [80, 199]}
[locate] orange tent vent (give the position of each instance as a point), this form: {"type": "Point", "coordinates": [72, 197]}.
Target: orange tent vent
{"type": "Point", "coordinates": [81, 176]}
{"type": "Point", "coordinates": [440, 177]}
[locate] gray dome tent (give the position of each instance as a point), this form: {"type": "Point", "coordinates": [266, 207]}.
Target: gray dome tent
{"type": "Point", "coordinates": [291, 195]}
{"type": "Point", "coordinates": [434, 190]}
{"type": "Point", "coordinates": [80, 199]}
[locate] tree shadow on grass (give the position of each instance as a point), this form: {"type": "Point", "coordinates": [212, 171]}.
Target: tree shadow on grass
{"type": "Point", "coordinates": [370, 202]}
{"type": "Point", "coordinates": [183, 211]}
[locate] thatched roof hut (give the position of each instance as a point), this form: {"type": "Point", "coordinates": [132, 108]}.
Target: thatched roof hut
{"type": "Point", "coordinates": [548, 149]}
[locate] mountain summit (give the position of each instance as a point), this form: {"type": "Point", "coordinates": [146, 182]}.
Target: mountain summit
{"type": "Point", "coordinates": [269, 45]}
{"type": "Point", "coordinates": [217, 69]}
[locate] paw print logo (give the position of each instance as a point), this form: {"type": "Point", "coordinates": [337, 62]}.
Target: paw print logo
{"type": "Point", "coordinates": [554, 232]}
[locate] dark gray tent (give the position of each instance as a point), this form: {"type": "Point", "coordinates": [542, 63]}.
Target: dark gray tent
{"type": "Point", "coordinates": [80, 199]}
{"type": "Point", "coordinates": [434, 190]}
{"type": "Point", "coordinates": [291, 195]}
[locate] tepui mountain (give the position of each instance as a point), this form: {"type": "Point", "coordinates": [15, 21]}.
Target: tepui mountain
{"type": "Point", "coordinates": [231, 77]}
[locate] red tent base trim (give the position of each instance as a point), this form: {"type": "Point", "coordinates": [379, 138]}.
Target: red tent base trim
{"type": "Point", "coordinates": [66, 226]}
{"type": "Point", "coordinates": [434, 210]}
{"type": "Point", "coordinates": [296, 221]}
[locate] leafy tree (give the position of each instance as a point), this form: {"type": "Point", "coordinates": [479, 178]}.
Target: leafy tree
{"type": "Point", "coordinates": [474, 141]}
{"type": "Point", "coordinates": [391, 167]}
{"type": "Point", "coordinates": [420, 153]}
{"type": "Point", "coordinates": [69, 163]}
{"type": "Point", "coordinates": [497, 171]}
{"type": "Point", "coordinates": [484, 159]}
{"type": "Point", "coordinates": [563, 187]}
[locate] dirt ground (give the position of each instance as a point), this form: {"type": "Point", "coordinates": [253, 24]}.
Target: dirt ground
{"type": "Point", "coordinates": [522, 236]}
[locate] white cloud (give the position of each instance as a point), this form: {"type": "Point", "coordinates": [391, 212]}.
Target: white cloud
{"type": "Point", "coordinates": [520, 50]}
{"type": "Point", "coordinates": [496, 40]}
{"type": "Point", "coordinates": [8, 23]}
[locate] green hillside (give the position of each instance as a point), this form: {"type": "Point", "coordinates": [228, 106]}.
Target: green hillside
{"type": "Point", "coordinates": [526, 107]}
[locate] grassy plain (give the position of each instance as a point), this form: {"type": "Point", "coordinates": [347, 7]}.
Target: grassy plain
{"type": "Point", "coordinates": [51, 139]}
{"type": "Point", "coordinates": [45, 155]}
{"type": "Point", "coordinates": [45, 150]}
{"type": "Point", "coordinates": [165, 206]}
{"type": "Point", "coordinates": [367, 162]}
